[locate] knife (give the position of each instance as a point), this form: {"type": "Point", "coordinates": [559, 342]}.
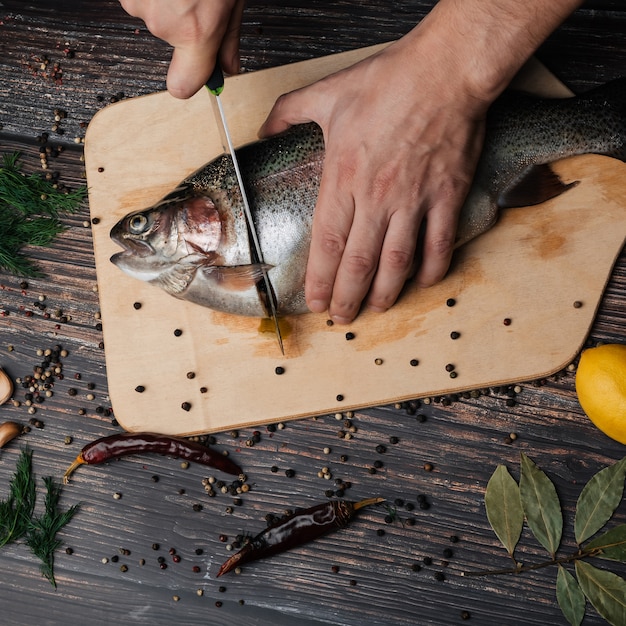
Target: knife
{"type": "Point", "coordinates": [215, 85]}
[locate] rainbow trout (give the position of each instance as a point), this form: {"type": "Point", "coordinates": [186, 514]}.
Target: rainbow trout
{"type": "Point", "coordinates": [194, 243]}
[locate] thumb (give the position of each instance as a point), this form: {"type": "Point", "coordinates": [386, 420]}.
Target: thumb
{"type": "Point", "coordinates": [291, 108]}
{"type": "Point", "coordinates": [190, 68]}
{"type": "Point", "coordinates": [229, 50]}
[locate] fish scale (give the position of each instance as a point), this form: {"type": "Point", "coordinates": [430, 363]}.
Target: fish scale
{"type": "Point", "coordinates": [524, 135]}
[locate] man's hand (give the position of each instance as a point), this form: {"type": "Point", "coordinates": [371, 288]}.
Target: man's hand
{"type": "Point", "coordinates": [202, 32]}
{"type": "Point", "coordinates": [402, 142]}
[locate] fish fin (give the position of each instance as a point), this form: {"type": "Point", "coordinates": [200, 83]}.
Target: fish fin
{"type": "Point", "coordinates": [535, 185]}
{"type": "Point", "coordinates": [207, 257]}
{"type": "Point", "coordinates": [238, 277]}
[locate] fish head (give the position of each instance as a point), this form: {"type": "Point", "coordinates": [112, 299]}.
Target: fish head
{"type": "Point", "coordinates": [179, 227]}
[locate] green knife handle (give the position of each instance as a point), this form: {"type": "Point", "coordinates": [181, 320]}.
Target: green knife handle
{"type": "Point", "coordinates": [215, 83]}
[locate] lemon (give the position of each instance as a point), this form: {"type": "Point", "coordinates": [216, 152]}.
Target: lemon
{"type": "Point", "coordinates": [601, 388]}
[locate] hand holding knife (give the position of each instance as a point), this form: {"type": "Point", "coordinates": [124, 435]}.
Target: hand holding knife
{"type": "Point", "coordinates": [215, 85]}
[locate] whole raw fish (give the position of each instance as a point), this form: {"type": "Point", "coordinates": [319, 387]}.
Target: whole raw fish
{"type": "Point", "coordinates": [194, 243]}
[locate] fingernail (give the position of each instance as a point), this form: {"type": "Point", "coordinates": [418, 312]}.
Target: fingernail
{"type": "Point", "coordinates": [376, 309]}
{"type": "Point", "coordinates": [318, 306]}
{"type": "Point", "coordinates": [340, 320]}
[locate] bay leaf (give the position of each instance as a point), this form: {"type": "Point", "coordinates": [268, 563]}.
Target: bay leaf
{"type": "Point", "coordinates": [612, 542]}
{"type": "Point", "coordinates": [504, 509]}
{"type": "Point", "coordinates": [606, 592]}
{"type": "Point", "coordinates": [541, 505]}
{"type": "Point", "coordinates": [570, 597]}
{"type": "Point", "coordinates": [598, 500]}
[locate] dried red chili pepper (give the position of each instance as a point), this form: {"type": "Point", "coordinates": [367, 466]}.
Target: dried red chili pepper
{"type": "Point", "coordinates": [297, 529]}
{"type": "Point", "coordinates": [115, 446]}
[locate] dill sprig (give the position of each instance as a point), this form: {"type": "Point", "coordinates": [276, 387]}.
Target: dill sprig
{"type": "Point", "coordinates": [18, 522]}
{"type": "Point", "coordinates": [17, 510]}
{"type": "Point", "coordinates": [41, 536]}
{"type": "Point", "coordinates": [30, 211]}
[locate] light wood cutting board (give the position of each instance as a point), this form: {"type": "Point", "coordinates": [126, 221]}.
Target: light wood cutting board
{"type": "Point", "coordinates": [530, 269]}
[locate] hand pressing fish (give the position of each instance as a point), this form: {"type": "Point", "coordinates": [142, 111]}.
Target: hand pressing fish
{"type": "Point", "coordinates": [195, 244]}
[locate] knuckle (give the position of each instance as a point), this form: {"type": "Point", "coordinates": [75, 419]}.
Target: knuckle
{"type": "Point", "coordinates": [359, 266]}
{"type": "Point", "coordinates": [398, 260]}
{"type": "Point", "coordinates": [441, 246]}
{"type": "Point", "coordinates": [332, 244]}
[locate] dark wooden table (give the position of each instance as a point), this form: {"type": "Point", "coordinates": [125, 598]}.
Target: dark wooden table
{"type": "Point", "coordinates": [102, 54]}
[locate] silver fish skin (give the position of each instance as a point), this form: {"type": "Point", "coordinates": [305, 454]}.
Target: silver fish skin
{"type": "Point", "coordinates": [194, 243]}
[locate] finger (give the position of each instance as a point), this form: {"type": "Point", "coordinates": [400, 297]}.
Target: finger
{"type": "Point", "coordinates": [438, 246]}
{"type": "Point", "coordinates": [190, 68]}
{"type": "Point", "coordinates": [229, 51]}
{"type": "Point", "coordinates": [331, 225]}
{"type": "Point", "coordinates": [396, 261]}
{"type": "Point", "coordinates": [358, 264]}
{"type": "Point", "coordinates": [290, 109]}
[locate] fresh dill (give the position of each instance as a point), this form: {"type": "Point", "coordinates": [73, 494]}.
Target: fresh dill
{"type": "Point", "coordinates": [17, 510]}
{"type": "Point", "coordinates": [41, 537]}
{"type": "Point", "coordinates": [30, 212]}
{"type": "Point", "coordinates": [17, 520]}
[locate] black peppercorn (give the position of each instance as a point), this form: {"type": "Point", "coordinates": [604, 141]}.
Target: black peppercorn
{"type": "Point", "coordinates": [414, 362]}
{"type": "Point", "coordinates": [350, 336]}
{"type": "Point", "coordinates": [450, 302]}
{"type": "Point", "coordinates": [279, 370]}
{"type": "Point", "coordinates": [178, 332]}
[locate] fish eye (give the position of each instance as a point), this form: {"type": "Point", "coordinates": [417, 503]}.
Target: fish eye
{"type": "Point", "coordinates": [137, 224]}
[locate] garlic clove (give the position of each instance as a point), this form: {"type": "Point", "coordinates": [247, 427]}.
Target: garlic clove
{"type": "Point", "coordinates": [6, 386]}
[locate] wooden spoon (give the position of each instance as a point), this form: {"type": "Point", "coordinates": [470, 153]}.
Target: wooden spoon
{"type": "Point", "coordinates": [6, 386]}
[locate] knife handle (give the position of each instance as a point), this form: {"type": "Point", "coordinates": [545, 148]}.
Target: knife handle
{"type": "Point", "coordinates": [215, 84]}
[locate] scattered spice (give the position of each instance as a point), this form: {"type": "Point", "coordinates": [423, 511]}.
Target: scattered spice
{"type": "Point", "coordinates": [350, 336]}
{"type": "Point", "coordinates": [279, 370]}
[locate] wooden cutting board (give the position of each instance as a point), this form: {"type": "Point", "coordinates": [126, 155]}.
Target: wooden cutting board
{"type": "Point", "coordinates": [525, 293]}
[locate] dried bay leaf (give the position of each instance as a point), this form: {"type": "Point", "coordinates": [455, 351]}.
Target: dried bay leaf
{"type": "Point", "coordinates": [504, 509]}
{"type": "Point", "coordinates": [605, 590]}
{"type": "Point", "coordinates": [612, 543]}
{"type": "Point", "coordinates": [570, 597]}
{"type": "Point", "coordinates": [541, 505]}
{"type": "Point", "coordinates": [598, 500]}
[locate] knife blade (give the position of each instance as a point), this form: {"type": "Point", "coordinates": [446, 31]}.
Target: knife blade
{"type": "Point", "coordinates": [215, 85]}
